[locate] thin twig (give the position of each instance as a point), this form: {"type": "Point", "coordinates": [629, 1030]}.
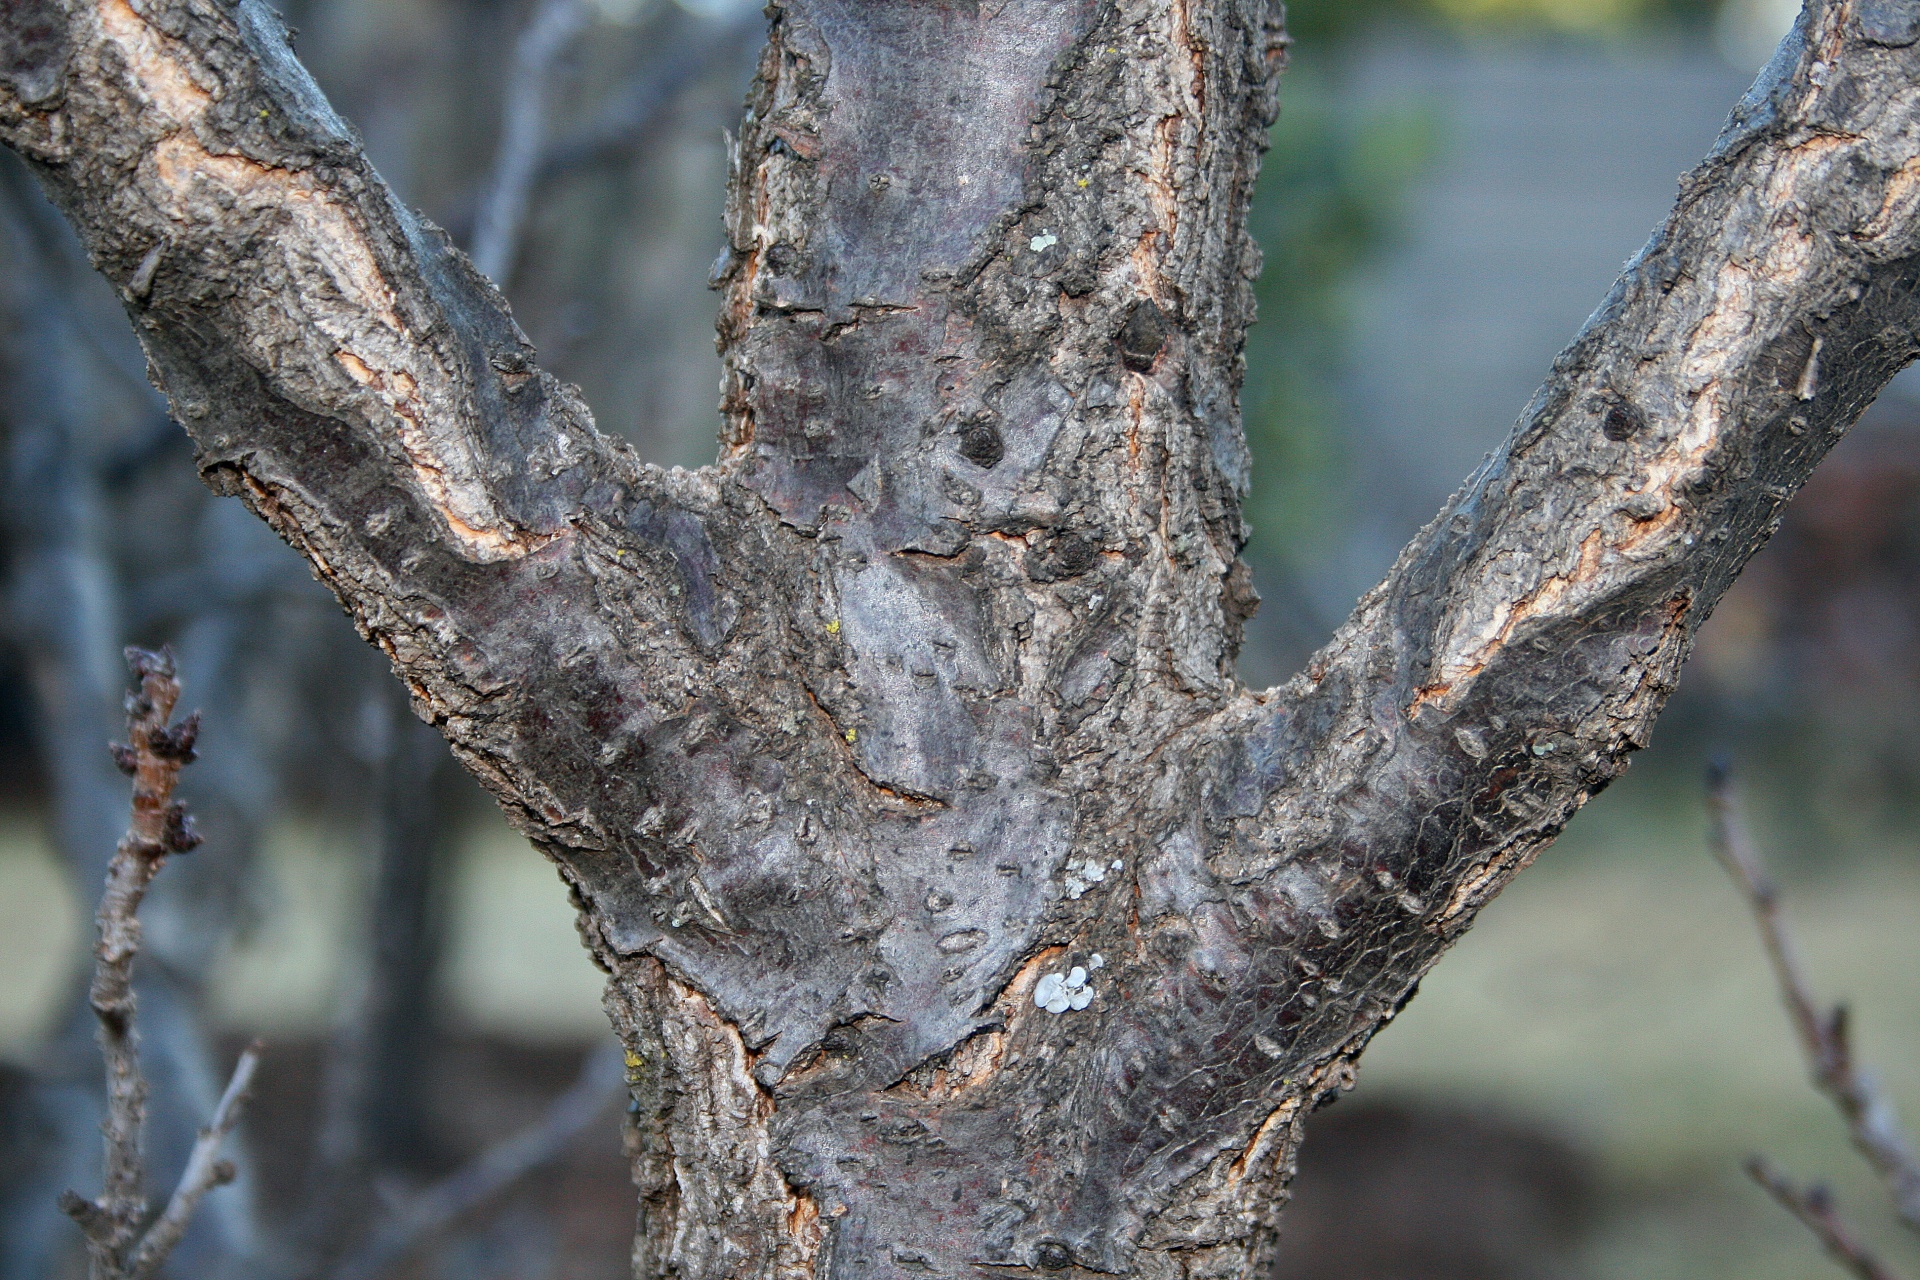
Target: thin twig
{"type": "Point", "coordinates": [205, 1170]}
{"type": "Point", "coordinates": [1814, 1208]}
{"type": "Point", "coordinates": [523, 135]}
{"type": "Point", "coordinates": [493, 1170]}
{"type": "Point", "coordinates": [1868, 1112]}
{"type": "Point", "coordinates": [153, 755]}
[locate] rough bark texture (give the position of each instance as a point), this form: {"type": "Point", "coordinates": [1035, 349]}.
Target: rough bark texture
{"type": "Point", "coordinates": [964, 916]}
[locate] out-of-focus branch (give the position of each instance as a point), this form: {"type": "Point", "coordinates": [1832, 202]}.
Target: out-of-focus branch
{"type": "Point", "coordinates": [153, 755]}
{"type": "Point", "coordinates": [493, 1170]}
{"type": "Point", "coordinates": [1814, 1208]}
{"type": "Point", "coordinates": [527, 157]}
{"type": "Point", "coordinates": [523, 135]}
{"type": "Point", "coordinates": [413, 838]}
{"type": "Point", "coordinates": [1870, 1116]}
{"type": "Point", "coordinates": [375, 1113]}
{"type": "Point", "coordinates": [629, 115]}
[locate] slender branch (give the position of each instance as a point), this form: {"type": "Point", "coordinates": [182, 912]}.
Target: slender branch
{"type": "Point", "coordinates": [493, 1170]}
{"type": "Point", "coordinates": [334, 1177]}
{"type": "Point", "coordinates": [1814, 1208]}
{"type": "Point", "coordinates": [153, 755]}
{"type": "Point", "coordinates": [523, 135]}
{"type": "Point", "coordinates": [204, 1171]}
{"type": "Point", "coordinates": [66, 611]}
{"type": "Point", "coordinates": [1870, 1116]}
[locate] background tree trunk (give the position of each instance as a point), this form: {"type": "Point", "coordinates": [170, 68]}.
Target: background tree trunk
{"type": "Point", "coordinates": [963, 914]}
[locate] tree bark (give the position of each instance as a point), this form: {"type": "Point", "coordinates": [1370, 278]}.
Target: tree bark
{"type": "Point", "coordinates": [964, 915]}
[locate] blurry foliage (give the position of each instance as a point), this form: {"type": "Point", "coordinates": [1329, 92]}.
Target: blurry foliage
{"type": "Point", "coordinates": [1314, 22]}
{"type": "Point", "coordinates": [1580, 17]}
{"type": "Point", "coordinates": [1330, 197]}
{"type": "Point", "coordinates": [1332, 194]}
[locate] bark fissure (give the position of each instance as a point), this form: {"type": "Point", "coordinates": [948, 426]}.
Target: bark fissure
{"type": "Point", "coordinates": [963, 915]}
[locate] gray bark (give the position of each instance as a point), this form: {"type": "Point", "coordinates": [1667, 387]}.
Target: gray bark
{"type": "Point", "coordinates": [921, 699]}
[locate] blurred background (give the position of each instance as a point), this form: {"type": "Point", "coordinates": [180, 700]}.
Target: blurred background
{"type": "Point", "coordinates": [1452, 187]}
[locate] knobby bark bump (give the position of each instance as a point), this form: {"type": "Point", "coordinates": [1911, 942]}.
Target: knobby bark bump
{"type": "Point", "coordinates": [963, 914]}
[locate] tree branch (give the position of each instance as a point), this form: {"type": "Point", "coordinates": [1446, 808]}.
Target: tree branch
{"type": "Point", "coordinates": [348, 374]}
{"type": "Point", "coordinates": [119, 1244]}
{"type": "Point", "coordinates": [1519, 650]}
{"type": "Point", "coordinates": [153, 757]}
{"type": "Point", "coordinates": [1869, 1114]}
{"type": "Point", "coordinates": [204, 1171]}
{"type": "Point", "coordinates": [523, 134]}
{"type": "Point", "coordinates": [1871, 1119]}
{"type": "Point", "coordinates": [389, 330]}
{"type": "Point", "coordinates": [1814, 1208]}
{"type": "Point", "coordinates": [494, 1170]}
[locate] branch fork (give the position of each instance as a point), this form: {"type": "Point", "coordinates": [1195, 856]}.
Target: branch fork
{"type": "Point", "coordinates": [822, 736]}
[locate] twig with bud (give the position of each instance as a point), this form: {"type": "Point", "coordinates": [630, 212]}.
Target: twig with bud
{"type": "Point", "coordinates": [122, 1242]}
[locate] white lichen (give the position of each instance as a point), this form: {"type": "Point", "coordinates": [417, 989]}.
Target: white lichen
{"type": "Point", "coordinates": [1045, 240]}
{"type": "Point", "coordinates": [1084, 873]}
{"type": "Point", "coordinates": [1059, 992]}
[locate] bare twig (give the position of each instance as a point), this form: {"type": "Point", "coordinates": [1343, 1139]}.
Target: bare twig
{"type": "Point", "coordinates": [60, 357]}
{"type": "Point", "coordinates": [493, 1170]}
{"type": "Point", "coordinates": [1814, 1208]}
{"type": "Point", "coordinates": [523, 135]}
{"type": "Point", "coordinates": [155, 751]}
{"type": "Point", "coordinates": [1869, 1114]}
{"type": "Point", "coordinates": [204, 1171]}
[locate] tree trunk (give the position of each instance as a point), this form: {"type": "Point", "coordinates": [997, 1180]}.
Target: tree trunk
{"type": "Point", "coordinates": [964, 915]}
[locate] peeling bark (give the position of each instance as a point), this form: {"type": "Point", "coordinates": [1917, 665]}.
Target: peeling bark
{"type": "Point", "coordinates": [964, 916]}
